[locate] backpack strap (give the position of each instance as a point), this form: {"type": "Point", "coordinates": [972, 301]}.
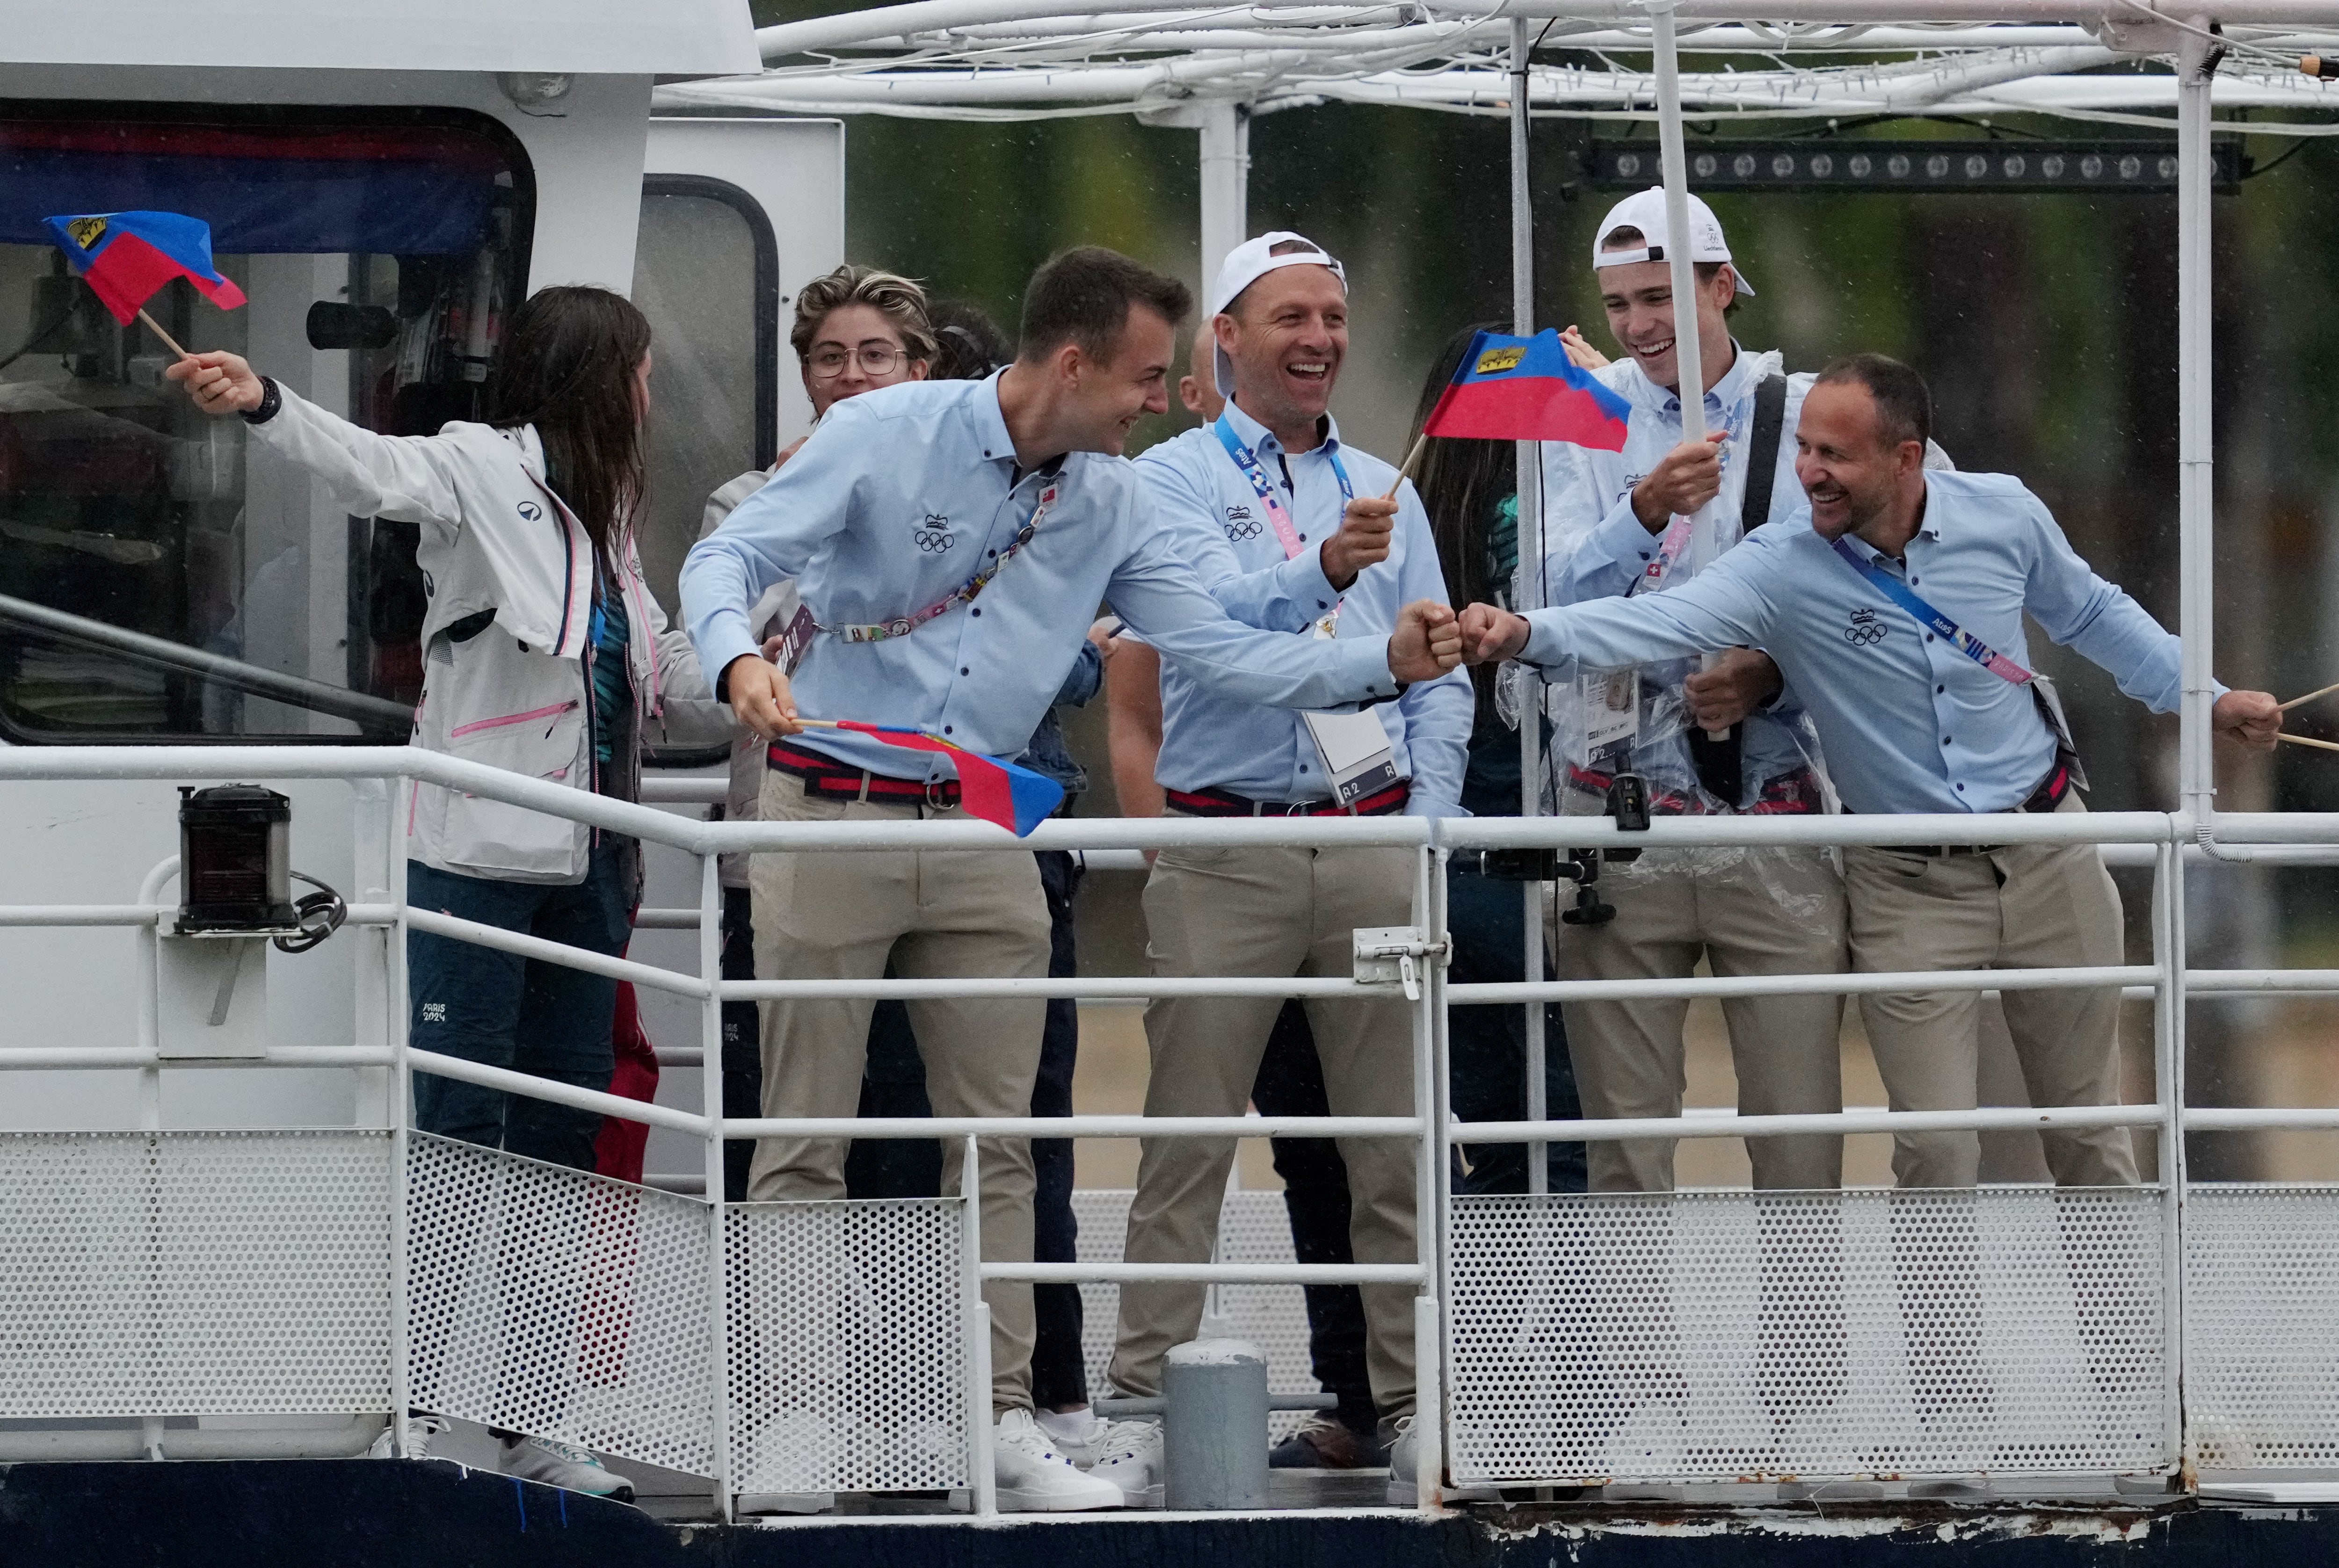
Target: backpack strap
{"type": "Point", "coordinates": [1762, 452]}
{"type": "Point", "coordinates": [1718, 759]}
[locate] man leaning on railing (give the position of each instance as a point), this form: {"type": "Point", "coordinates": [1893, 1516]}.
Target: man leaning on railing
{"type": "Point", "coordinates": [1001, 507]}
{"type": "Point", "coordinates": [1894, 605]}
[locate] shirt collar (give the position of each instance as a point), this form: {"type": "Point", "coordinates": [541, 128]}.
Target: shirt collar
{"type": "Point", "coordinates": [990, 425]}
{"type": "Point", "coordinates": [1261, 440]}
{"type": "Point", "coordinates": [1723, 391]}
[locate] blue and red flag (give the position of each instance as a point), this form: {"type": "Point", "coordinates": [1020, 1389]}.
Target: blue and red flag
{"type": "Point", "coordinates": [1016, 798]}
{"type": "Point", "coordinates": [124, 257]}
{"type": "Point", "coordinates": [1528, 390]}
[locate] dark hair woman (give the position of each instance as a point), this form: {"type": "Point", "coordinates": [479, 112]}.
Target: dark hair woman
{"type": "Point", "coordinates": [1470, 489]}
{"type": "Point", "coordinates": [543, 655]}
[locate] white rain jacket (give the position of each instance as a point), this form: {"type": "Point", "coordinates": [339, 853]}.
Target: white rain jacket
{"type": "Point", "coordinates": [515, 691]}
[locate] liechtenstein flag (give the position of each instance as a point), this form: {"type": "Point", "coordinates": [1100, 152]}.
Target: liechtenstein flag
{"type": "Point", "coordinates": [124, 257]}
{"type": "Point", "coordinates": [1016, 798]}
{"type": "Point", "coordinates": [1528, 390]}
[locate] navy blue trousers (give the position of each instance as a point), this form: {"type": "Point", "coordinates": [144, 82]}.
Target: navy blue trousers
{"type": "Point", "coordinates": [506, 1011]}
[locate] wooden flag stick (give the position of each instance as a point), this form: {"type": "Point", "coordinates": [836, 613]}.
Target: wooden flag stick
{"type": "Point", "coordinates": [168, 342]}
{"type": "Point", "coordinates": [2309, 697]}
{"type": "Point", "coordinates": [1404, 470]}
{"type": "Point", "coordinates": [2306, 741]}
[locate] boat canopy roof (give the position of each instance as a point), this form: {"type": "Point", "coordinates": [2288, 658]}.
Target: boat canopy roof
{"type": "Point", "coordinates": [665, 37]}
{"type": "Point", "coordinates": [2107, 61]}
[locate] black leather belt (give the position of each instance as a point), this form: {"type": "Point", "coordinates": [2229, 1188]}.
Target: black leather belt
{"type": "Point", "coordinates": [2045, 798]}
{"type": "Point", "coordinates": [1226, 802]}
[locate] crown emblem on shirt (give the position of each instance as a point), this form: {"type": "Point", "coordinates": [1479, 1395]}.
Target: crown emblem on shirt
{"type": "Point", "coordinates": [1866, 631]}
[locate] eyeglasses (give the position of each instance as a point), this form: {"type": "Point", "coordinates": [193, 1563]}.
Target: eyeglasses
{"type": "Point", "coordinates": [829, 363]}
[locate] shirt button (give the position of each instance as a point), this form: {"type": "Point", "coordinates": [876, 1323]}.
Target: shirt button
{"type": "Point", "coordinates": [978, 614]}
{"type": "Point", "coordinates": [1321, 604]}
{"type": "Point", "coordinates": [1937, 689]}
{"type": "Point", "coordinates": [1961, 786]}
{"type": "Point", "coordinates": [964, 671]}
{"type": "Point", "coordinates": [946, 729]}
{"type": "Point", "coordinates": [1928, 637]}
{"type": "Point", "coordinates": [1303, 767]}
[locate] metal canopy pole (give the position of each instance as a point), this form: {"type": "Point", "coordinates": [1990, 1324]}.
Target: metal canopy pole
{"type": "Point", "coordinates": [1529, 533]}
{"type": "Point", "coordinates": [2195, 474]}
{"type": "Point", "coordinates": [2196, 625]}
{"type": "Point", "coordinates": [1226, 183]}
{"type": "Point", "coordinates": [1677, 248]}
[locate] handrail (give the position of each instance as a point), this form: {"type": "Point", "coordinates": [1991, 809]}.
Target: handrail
{"type": "Point", "coordinates": [162, 654]}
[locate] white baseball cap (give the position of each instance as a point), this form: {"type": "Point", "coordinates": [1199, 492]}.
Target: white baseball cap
{"type": "Point", "coordinates": [1249, 261]}
{"type": "Point", "coordinates": [1645, 211]}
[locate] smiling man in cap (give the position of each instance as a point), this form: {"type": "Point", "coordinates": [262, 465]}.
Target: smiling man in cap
{"type": "Point", "coordinates": [1328, 543]}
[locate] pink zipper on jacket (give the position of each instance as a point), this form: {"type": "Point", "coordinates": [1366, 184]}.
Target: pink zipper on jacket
{"type": "Point", "coordinates": [553, 712]}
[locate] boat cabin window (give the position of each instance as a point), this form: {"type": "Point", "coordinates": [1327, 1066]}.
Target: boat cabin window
{"type": "Point", "coordinates": [160, 574]}
{"type": "Point", "coordinates": [707, 273]}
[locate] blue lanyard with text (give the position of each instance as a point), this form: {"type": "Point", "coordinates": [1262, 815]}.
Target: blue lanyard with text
{"type": "Point", "coordinates": [1908, 600]}
{"type": "Point", "coordinates": [1286, 533]}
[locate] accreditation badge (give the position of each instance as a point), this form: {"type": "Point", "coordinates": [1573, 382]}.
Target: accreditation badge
{"type": "Point", "coordinates": [1355, 750]}
{"type": "Point", "coordinates": [1610, 701]}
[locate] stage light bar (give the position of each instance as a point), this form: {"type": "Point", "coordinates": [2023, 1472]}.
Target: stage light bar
{"type": "Point", "coordinates": [2134, 167]}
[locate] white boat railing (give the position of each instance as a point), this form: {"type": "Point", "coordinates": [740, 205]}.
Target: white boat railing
{"type": "Point", "coordinates": [1681, 1336]}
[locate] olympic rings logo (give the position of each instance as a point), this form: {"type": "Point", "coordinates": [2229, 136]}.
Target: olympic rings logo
{"type": "Point", "coordinates": [934, 541]}
{"type": "Point", "coordinates": [1239, 531]}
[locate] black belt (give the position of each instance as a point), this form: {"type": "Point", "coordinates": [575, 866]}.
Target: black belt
{"type": "Point", "coordinates": [2046, 797]}
{"type": "Point", "coordinates": [1226, 802]}
{"type": "Point", "coordinates": [827, 776]}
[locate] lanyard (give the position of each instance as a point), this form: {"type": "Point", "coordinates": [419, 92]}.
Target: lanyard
{"type": "Point", "coordinates": [1908, 600]}
{"type": "Point", "coordinates": [1660, 565]}
{"type": "Point", "coordinates": [1262, 486]}
{"type": "Point", "coordinates": [966, 591]}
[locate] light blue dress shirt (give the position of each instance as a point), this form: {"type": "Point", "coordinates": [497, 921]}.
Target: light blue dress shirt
{"type": "Point", "coordinates": [899, 498]}
{"type": "Point", "coordinates": [1909, 724]}
{"type": "Point", "coordinates": [1211, 740]}
{"type": "Point", "coordinates": [1596, 547]}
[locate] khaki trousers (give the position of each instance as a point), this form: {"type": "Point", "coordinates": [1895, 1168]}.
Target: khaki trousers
{"type": "Point", "coordinates": [1746, 912]}
{"type": "Point", "coordinates": [938, 915]}
{"type": "Point", "coordinates": [1273, 913]}
{"type": "Point", "coordinates": [2021, 907]}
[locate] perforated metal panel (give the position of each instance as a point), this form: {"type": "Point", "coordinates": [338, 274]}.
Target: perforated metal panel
{"type": "Point", "coordinates": [848, 1360]}
{"type": "Point", "coordinates": [1720, 1336]}
{"type": "Point", "coordinates": [2262, 1326]}
{"type": "Point", "coordinates": [193, 1273]}
{"type": "Point", "coordinates": [1253, 1228]}
{"type": "Point", "coordinates": [549, 1301]}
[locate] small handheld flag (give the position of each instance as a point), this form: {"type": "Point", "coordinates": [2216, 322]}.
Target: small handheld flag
{"type": "Point", "coordinates": [1016, 798]}
{"type": "Point", "coordinates": [1528, 390]}
{"type": "Point", "coordinates": [125, 257]}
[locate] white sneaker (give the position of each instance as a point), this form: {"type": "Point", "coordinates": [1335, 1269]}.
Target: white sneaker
{"type": "Point", "coordinates": [1404, 1486]}
{"type": "Point", "coordinates": [420, 1432]}
{"type": "Point", "coordinates": [1033, 1478]}
{"type": "Point", "coordinates": [565, 1465]}
{"type": "Point", "coordinates": [1130, 1456]}
{"type": "Point", "coordinates": [1078, 1435]}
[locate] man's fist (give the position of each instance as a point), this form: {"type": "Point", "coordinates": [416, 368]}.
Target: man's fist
{"type": "Point", "coordinates": [1490, 636]}
{"type": "Point", "coordinates": [1684, 479]}
{"type": "Point", "coordinates": [2253, 718]}
{"type": "Point", "coordinates": [219, 382]}
{"type": "Point", "coordinates": [1428, 642]}
{"type": "Point", "coordinates": [1740, 681]}
{"type": "Point", "coordinates": [760, 696]}
{"type": "Point", "coordinates": [1363, 538]}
